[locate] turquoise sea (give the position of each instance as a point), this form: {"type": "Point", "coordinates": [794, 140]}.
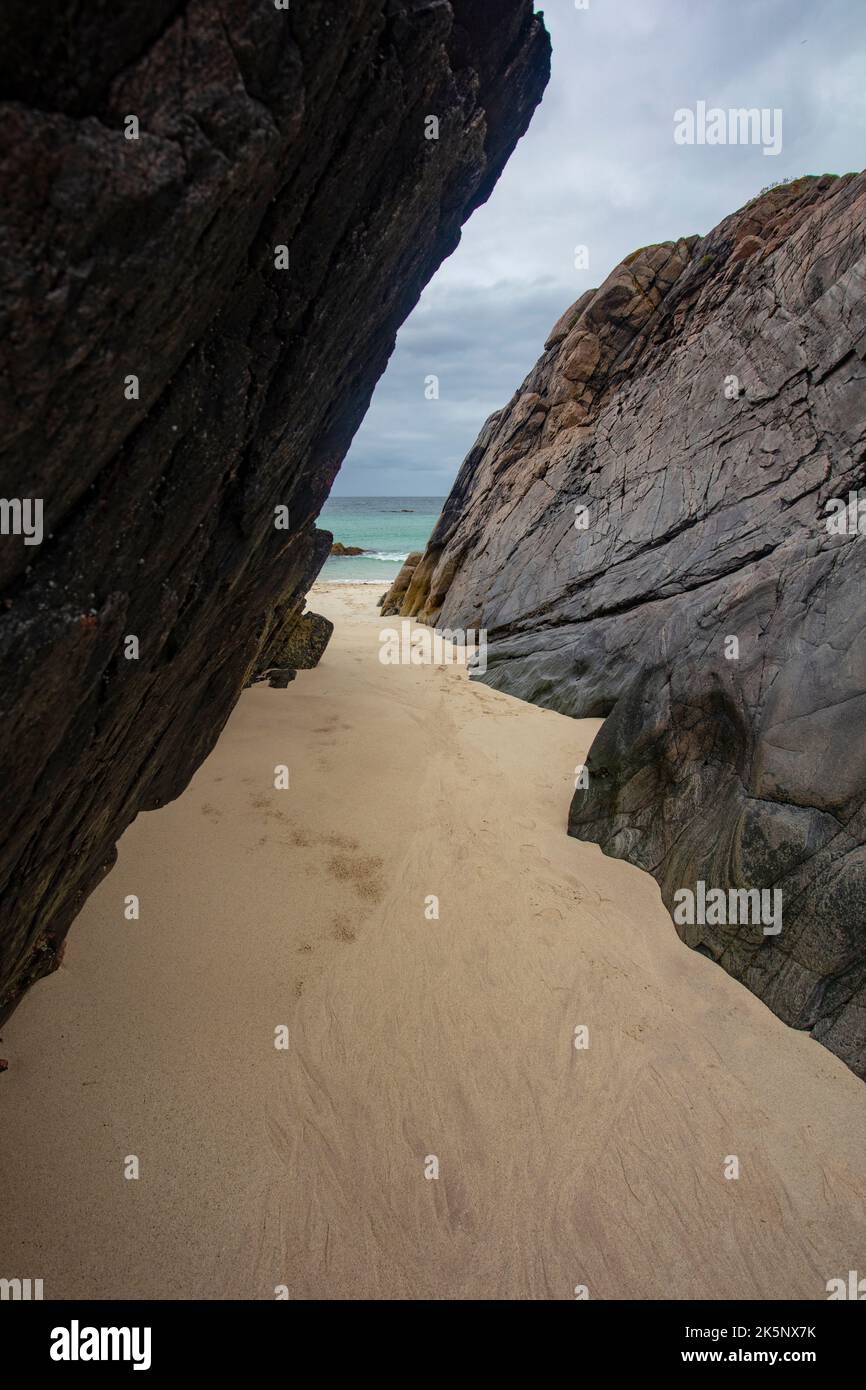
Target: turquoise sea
{"type": "Point", "coordinates": [386, 528]}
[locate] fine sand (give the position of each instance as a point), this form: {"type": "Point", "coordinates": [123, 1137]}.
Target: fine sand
{"type": "Point", "coordinates": [409, 1038]}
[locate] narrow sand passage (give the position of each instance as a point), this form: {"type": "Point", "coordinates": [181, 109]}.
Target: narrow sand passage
{"type": "Point", "coordinates": [408, 1038]}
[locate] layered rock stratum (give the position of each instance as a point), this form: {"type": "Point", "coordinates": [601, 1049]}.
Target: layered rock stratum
{"type": "Point", "coordinates": [661, 528]}
{"type": "Point", "coordinates": [392, 601]}
{"type": "Point", "coordinates": [216, 215]}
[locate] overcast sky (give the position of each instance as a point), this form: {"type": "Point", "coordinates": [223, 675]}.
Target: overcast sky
{"type": "Point", "coordinates": [599, 167]}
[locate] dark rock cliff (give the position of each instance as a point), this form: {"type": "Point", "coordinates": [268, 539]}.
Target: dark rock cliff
{"type": "Point", "coordinates": [157, 259]}
{"type": "Point", "coordinates": [662, 483]}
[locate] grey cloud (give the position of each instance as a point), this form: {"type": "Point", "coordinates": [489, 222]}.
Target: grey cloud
{"type": "Point", "coordinates": [599, 167]}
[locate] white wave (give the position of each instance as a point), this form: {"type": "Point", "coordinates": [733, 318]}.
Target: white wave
{"type": "Point", "coordinates": [392, 556]}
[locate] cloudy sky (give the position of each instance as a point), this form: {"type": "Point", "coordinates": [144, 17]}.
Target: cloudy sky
{"type": "Point", "coordinates": [600, 168]}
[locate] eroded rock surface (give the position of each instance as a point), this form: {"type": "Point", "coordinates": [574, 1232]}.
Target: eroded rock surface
{"type": "Point", "coordinates": [704, 406]}
{"type": "Point", "coordinates": [292, 641]}
{"type": "Point", "coordinates": [158, 259]}
{"type": "Point", "coordinates": [392, 601]}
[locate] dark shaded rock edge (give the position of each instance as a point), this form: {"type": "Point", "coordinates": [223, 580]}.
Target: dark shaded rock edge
{"type": "Point", "coordinates": [156, 258]}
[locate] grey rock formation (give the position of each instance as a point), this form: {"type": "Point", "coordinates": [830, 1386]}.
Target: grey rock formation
{"type": "Point", "coordinates": [662, 483]}
{"type": "Point", "coordinates": [191, 326]}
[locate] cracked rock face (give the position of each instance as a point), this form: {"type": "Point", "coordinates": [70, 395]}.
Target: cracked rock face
{"type": "Point", "coordinates": [168, 387]}
{"type": "Point", "coordinates": [661, 484]}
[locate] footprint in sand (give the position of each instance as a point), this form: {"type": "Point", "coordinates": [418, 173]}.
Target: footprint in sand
{"type": "Point", "coordinates": [343, 929]}
{"type": "Point", "coordinates": [329, 725]}
{"type": "Point", "coordinates": [271, 812]}
{"type": "Point", "coordinates": [364, 875]}
{"type": "Point", "coordinates": [336, 841]}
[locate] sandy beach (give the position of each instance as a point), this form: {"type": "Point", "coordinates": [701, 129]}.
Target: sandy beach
{"type": "Point", "coordinates": [410, 1038]}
